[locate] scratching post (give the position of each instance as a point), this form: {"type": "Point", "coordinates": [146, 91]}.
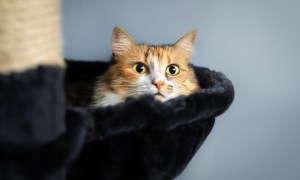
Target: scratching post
{"type": "Point", "coordinates": [35, 140]}
{"type": "Point", "coordinates": [30, 39]}
{"type": "Point", "coordinates": [29, 34]}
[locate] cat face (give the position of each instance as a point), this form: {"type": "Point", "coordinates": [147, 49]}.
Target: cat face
{"type": "Point", "coordinates": [162, 71]}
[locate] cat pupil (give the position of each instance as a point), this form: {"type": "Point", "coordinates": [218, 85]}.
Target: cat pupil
{"type": "Point", "coordinates": [172, 70]}
{"type": "Point", "coordinates": [140, 68]}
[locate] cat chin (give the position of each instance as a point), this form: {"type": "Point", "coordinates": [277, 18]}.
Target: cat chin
{"type": "Point", "coordinates": [160, 97]}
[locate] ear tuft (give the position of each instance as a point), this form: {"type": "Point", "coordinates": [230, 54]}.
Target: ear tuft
{"type": "Point", "coordinates": [186, 43]}
{"type": "Point", "coordinates": [121, 41]}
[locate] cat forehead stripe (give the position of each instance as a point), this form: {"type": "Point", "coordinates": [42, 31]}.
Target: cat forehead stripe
{"type": "Point", "coordinates": [155, 64]}
{"type": "Point", "coordinates": [156, 50]}
{"type": "Point", "coordinates": [160, 52]}
{"type": "Point", "coordinates": [147, 52]}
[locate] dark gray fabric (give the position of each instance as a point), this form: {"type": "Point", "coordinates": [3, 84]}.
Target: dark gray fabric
{"type": "Point", "coordinates": [139, 139]}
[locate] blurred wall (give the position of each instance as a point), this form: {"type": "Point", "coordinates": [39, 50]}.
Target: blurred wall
{"type": "Point", "coordinates": [256, 43]}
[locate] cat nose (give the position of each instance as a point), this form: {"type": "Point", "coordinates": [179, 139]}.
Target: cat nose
{"type": "Point", "coordinates": [158, 84]}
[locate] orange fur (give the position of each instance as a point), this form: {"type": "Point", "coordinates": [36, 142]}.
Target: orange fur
{"type": "Point", "coordinates": [121, 81]}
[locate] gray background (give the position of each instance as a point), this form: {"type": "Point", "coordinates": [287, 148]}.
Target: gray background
{"type": "Point", "coordinates": [255, 43]}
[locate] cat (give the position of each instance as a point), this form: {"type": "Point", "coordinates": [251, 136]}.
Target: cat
{"type": "Point", "coordinates": [162, 71]}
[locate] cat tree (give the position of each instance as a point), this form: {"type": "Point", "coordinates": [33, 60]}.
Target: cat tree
{"type": "Point", "coordinates": [42, 139]}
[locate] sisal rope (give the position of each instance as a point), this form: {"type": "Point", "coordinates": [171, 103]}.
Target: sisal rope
{"type": "Point", "coordinates": [29, 34]}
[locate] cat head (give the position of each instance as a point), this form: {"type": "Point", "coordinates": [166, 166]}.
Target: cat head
{"type": "Point", "coordinates": [163, 71]}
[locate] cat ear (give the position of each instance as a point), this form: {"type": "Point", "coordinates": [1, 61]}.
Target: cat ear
{"type": "Point", "coordinates": [186, 43]}
{"type": "Point", "coordinates": [121, 42]}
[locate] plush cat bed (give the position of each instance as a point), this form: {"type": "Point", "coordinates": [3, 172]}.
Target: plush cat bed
{"type": "Point", "coordinates": [143, 138]}
{"type": "Point", "coordinates": [139, 139]}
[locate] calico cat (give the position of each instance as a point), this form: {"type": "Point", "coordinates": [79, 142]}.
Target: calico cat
{"type": "Point", "coordinates": [163, 71]}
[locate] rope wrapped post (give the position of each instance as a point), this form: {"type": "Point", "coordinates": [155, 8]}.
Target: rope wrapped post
{"type": "Point", "coordinates": [31, 71]}
{"type": "Point", "coordinates": [29, 34]}
{"type": "Point", "coordinates": [35, 140]}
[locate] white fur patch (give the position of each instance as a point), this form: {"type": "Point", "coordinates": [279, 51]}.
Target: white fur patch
{"type": "Point", "coordinates": [109, 100]}
{"type": "Point", "coordinates": [156, 74]}
{"type": "Point", "coordinates": [155, 64]}
{"type": "Point", "coordinates": [145, 86]}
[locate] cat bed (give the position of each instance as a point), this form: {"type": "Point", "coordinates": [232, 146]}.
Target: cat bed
{"type": "Point", "coordinates": [139, 139]}
{"type": "Point", "coordinates": [144, 138]}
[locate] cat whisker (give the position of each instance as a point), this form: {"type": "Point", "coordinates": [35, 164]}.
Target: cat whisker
{"type": "Point", "coordinates": [183, 92]}
{"type": "Point", "coordinates": [121, 85]}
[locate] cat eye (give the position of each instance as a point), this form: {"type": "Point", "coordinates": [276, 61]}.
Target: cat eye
{"type": "Point", "coordinates": [173, 70]}
{"type": "Point", "coordinates": [139, 68]}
